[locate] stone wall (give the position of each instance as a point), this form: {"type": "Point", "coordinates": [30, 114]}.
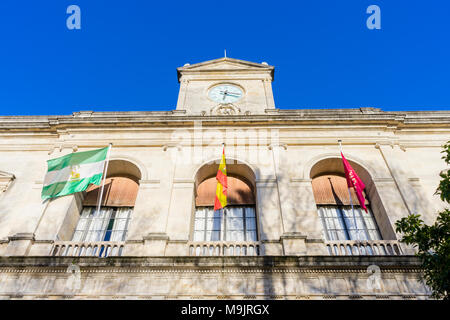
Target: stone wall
{"type": "Point", "coordinates": [212, 278]}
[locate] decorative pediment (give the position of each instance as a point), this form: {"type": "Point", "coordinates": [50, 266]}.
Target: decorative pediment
{"type": "Point", "coordinates": [5, 180]}
{"type": "Point", "coordinates": [225, 64]}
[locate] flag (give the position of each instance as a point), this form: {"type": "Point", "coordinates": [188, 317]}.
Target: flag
{"type": "Point", "coordinates": [73, 173]}
{"type": "Point", "coordinates": [221, 191]}
{"type": "Point", "coordinates": [354, 181]}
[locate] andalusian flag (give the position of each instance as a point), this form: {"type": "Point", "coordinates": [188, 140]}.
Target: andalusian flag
{"type": "Point", "coordinates": [73, 173]}
{"type": "Point", "coordinates": [221, 192]}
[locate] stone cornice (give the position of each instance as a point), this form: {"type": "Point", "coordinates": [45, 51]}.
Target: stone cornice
{"type": "Point", "coordinates": [275, 117]}
{"type": "Point", "coordinates": [262, 263]}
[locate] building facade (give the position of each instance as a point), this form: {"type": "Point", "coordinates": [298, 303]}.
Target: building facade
{"type": "Point", "coordinates": [290, 230]}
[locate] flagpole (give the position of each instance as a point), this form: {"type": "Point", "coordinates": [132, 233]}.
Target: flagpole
{"type": "Point", "coordinates": [223, 152]}
{"type": "Point", "coordinates": [105, 170]}
{"type": "Point", "coordinates": [351, 201]}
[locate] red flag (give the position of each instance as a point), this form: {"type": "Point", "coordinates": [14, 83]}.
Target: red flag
{"type": "Point", "coordinates": [354, 181]}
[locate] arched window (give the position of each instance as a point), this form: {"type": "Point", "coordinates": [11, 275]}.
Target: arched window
{"type": "Point", "coordinates": [111, 222]}
{"type": "Point", "coordinates": [331, 195]}
{"type": "Point", "coordinates": [237, 222]}
{"type": "Point", "coordinates": [339, 220]}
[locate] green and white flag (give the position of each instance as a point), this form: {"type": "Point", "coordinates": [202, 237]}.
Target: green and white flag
{"type": "Point", "coordinates": [73, 173]}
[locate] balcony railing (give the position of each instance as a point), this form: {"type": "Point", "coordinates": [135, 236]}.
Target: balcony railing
{"type": "Point", "coordinates": [364, 248]}
{"type": "Point", "coordinates": [87, 249]}
{"type": "Point", "coordinates": [224, 249]}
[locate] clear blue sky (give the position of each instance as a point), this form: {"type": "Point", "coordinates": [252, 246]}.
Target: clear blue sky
{"type": "Point", "coordinates": [126, 53]}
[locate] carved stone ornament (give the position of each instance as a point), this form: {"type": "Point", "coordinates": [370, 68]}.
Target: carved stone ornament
{"type": "Point", "coordinates": [227, 109]}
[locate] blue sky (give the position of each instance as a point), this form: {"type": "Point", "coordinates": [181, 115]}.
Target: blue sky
{"type": "Point", "coordinates": [126, 53]}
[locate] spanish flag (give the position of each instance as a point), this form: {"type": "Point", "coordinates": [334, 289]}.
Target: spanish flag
{"type": "Point", "coordinates": [221, 192]}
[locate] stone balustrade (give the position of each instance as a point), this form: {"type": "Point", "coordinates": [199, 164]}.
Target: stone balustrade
{"type": "Point", "coordinates": [214, 248]}
{"type": "Point", "coordinates": [87, 249]}
{"type": "Point", "coordinates": [364, 248]}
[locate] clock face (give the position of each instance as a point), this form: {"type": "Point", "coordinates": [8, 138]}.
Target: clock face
{"type": "Point", "coordinates": [225, 93]}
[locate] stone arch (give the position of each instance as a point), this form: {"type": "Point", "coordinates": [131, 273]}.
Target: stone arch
{"type": "Point", "coordinates": [234, 167]}
{"type": "Point", "coordinates": [126, 166]}
{"type": "Point", "coordinates": [332, 164]}
{"type": "Point", "coordinates": [241, 198]}
{"type": "Point", "coordinates": [352, 159]}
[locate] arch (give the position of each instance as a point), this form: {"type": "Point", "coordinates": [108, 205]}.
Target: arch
{"type": "Point", "coordinates": [131, 166]}
{"type": "Point", "coordinates": [238, 220]}
{"type": "Point", "coordinates": [332, 165]}
{"type": "Point", "coordinates": [354, 161]}
{"type": "Point", "coordinates": [120, 186]}
{"type": "Point", "coordinates": [119, 191]}
{"type": "Point", "coordinates": [235, 168]}
{"type": "Point", "coordinates": [239, 192]}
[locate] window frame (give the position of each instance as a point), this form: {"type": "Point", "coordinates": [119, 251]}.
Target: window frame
{"type": "Point", "coordinates": [110, 217]}
{"type": "Point", "coordinates": [223, 223]}
{"type": "Point", "coordinates": [340, 209]}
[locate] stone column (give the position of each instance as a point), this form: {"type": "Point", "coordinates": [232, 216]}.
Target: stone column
{"type": "Point", "coordinates": [180, 209]}
{"type": "Point", "coordinates": [182, 94]}
{"type": "Point", "coordinates": [269, 217]}
{"type": "Point", "coordinates": [301, 224]}
{"type": "Point", "coordinates": [270, 102]}
{"type": "Point", "coordinates": [147, 231]}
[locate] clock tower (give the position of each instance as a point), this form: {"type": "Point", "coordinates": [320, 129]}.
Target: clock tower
{"type": "Point", "coordinates": [225, 86]}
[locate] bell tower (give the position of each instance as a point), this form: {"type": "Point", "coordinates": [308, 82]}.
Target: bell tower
{"type": "Point", "coordinates": [225, 86]}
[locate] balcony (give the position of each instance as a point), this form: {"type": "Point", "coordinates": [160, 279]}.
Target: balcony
{"type": "Point", "coordinates": [215, 248]}
{"type": "Point", "coordinates": [364, 248]}
{"type": "Point", "coordinates": [87, 249]}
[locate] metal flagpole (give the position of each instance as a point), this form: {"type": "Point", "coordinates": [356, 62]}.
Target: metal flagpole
{"type": "Point", "coordinates": [105, 170]}
{"type": "Point", "coordinates": [351, 201]}
{"type": "Point", "coordinates": [223, 152]}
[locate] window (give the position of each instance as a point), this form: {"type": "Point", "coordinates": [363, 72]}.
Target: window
{"type": "Point", "coordinates": [343, 223]}
{"type": "Point", "coordinates": [235, 223]}
{"type": "Point", "coordinates": [108, 224]}
{"type": "Point", "coordinates": [111, 222]}
{"type": "Point", "coordinates": [339, 221]}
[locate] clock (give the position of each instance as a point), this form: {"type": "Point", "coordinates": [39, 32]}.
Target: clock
{"type": "Point", "coordinates": [225, 93]}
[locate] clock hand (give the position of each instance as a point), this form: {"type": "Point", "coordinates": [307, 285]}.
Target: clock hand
{"type": "Point", "coordinates": [234, 93]}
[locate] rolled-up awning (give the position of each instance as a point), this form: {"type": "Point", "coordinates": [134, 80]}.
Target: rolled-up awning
{"type": "Point", "coordinates": [238, 192]}
{"type": "Point", "coordinates": [118, 192]}
{"type": "Point", "coordinates": [333, 190]}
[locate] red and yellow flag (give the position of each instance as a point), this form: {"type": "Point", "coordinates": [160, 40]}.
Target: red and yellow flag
{"type": "Point", "coordinates": [221, 192]}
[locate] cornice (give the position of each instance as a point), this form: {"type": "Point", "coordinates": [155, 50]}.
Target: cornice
{"type": "Point", "coordinates": [274, 117]}
{"type": "Point", "coordinates": [108, 270]}
{"type": "Point", "coordinates": [189, 262]}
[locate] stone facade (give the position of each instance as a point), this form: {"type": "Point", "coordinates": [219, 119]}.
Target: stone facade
{"type": "Point", "coordinates": [396, 153]}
